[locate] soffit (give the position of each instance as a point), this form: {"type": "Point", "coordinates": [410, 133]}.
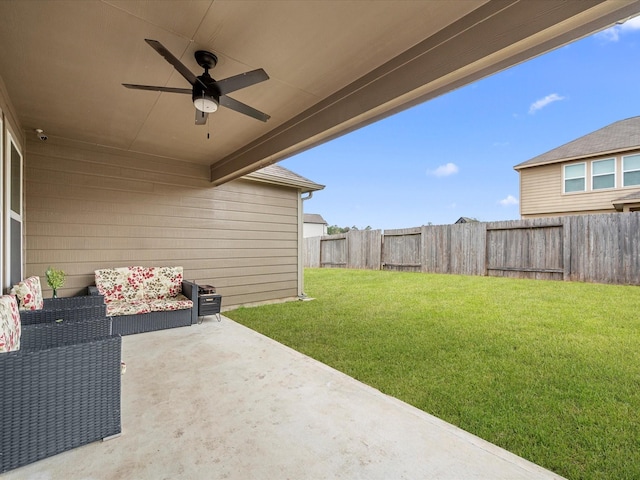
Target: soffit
{"type": "Point", "coordinates": [334, 66]}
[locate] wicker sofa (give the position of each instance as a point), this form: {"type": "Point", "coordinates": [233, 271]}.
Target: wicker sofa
{"type": "Point", "coordinates": [61, 384]}
{"type": "Point", "coordinates": [143, 299]}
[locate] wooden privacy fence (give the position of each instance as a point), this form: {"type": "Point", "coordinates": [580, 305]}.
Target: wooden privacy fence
{"type": "Point", "coordinates": [600, 248]}
{"type": "Point", "coordinates": [355, 249]}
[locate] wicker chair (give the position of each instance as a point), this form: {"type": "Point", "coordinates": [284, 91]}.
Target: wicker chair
{"type": "Point", "coordinates": [68, 308]}
{"type": "Point", "coordinates": [60, 390]}
{"type": "Point", "coordinates": [36, 309]}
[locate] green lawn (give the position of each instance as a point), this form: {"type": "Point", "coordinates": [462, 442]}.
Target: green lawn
{"type": "Point", "coordinates": [547, 370]}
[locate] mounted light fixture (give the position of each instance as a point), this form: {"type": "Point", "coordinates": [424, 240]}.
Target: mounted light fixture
{"type": "Point", "coordinates": [41, 135]}
{"type": "Point", "coordinates": [205, 103]}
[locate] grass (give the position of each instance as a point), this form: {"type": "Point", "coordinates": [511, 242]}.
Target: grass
{"type": "Point", "coordinates": [547, 370]}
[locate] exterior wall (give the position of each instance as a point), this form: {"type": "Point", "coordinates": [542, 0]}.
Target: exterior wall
{"type": "Point", "coordinates": [541, 191]}
{"type": "Point", "coordinates": [314, 230]}
{"type": "Point", "coordinates": [90, 207]}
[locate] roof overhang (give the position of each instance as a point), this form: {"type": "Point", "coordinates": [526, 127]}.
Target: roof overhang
{"type": "Point", "coordinates": [630, 200]}
{"type": "Point", "coordinates": [334, 66]}
{"type": "Point", "coordinates": [276, 175]}
{"type": "Point", "coordinates": [617, 138]}
{"type": "Point", "coordinates": [606, 153]}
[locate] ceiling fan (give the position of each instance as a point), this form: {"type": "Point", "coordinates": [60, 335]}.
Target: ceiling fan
{"type": "Point", "coordinates": [207, 94]}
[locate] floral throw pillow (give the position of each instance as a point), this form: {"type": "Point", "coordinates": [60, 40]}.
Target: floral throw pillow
{"type": "Point", "coordinates": [29, 294]}
{"type": "Point", "coordinates": [9, 324]}
{"type": "Point", "coordinates": [162, 282]}
{"type": "Point", "coordinates": [122, 283]}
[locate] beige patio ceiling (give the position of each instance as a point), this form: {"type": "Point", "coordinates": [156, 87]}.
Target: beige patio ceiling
{"type": "Point", "coordinates": [334, 65]}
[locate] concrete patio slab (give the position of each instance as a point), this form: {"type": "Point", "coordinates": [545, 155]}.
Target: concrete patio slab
{"type": "Point", "coordinates": [220, 401]}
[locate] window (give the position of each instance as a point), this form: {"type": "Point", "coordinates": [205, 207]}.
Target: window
{"type": "Point", "coordinates": [1, 204]}
{"type": "Point", "coordinates": [12, 212]}
{"type": "Point", "coordinates": [574, 177]}
{"type": "Point", "coordinates": [603, 174]}
{"type": "Point", "coordinates": [631, 170]}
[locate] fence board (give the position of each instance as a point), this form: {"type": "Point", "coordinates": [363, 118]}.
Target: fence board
{"type": "Point", "coordinates": [364, 249]}
{"type": "Point", "coordinates": [436, 244]}
{"type": "Point", "coordinates": [533, 247]}
{"type": "Point", "coordinates": [402, 250]}
{"type": "Point", "coordinates": [333, 251]}
{"type": "Point", "coordinates": [466, 248]}
{"type": "Point", "coordinates": [601, 248]}
{"type": "Point", "coordinates": [311, 252]}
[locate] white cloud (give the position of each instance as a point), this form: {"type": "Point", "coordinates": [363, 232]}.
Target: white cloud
{"type": "Point", "coordinates": [508, 201]}
{"type": "Point", "coordinates": [444, 170]}
{"type": "Point", "coordinates": [612, 34]}
{"type": "Point", "coordinates": [543, 102]}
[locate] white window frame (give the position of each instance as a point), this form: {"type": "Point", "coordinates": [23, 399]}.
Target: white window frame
{"type": "Point", "coordinates": [593, 175]}
{"type": "Point", "coordinates": [9, 214]}
{"type": "Point", "coordinates": [2, 239]}
{"type": "Point", "coordinates": [626, 171]}
{"type": "Point", "coordinates": [564, 177]}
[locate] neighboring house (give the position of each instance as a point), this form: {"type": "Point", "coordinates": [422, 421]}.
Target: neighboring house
{"type": "Point", "coordinates": [314, 225]}
{"type": "Point", "coordinates": [596, 173]}
{"type": "Point", "coordinates": [466, 220]}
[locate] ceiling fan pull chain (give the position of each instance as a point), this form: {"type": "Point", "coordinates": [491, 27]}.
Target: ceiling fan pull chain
{"type": "Point", "coordinates": [205, 71]}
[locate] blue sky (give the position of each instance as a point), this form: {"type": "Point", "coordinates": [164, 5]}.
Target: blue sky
{"type": "Point", "coordinates": [453, 156]}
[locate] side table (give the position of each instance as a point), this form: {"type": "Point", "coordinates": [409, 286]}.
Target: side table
{"type": "Point", "coordinates": [209, 304]}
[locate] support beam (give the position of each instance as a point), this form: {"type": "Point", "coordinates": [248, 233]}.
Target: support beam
{"type": "Point", "coordinates": [514, 31]}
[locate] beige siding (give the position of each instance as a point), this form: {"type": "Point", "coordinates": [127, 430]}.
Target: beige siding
{"type": "Point", "coordinates": [90, 207]}
{"type": "Point", "coordinates": [541, 193]}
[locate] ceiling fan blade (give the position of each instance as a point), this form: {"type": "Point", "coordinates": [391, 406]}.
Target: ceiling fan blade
{"type": "Point", "coordinates": [242, 108]}
{"type": "Point", "coordinates": [243, 80]}
{"type": "Point", "coordinates": [158, 89]}
{"type": "Point", "coordinates": [201, 117]}
{"type": "Point", "coordinates": [177, 64]}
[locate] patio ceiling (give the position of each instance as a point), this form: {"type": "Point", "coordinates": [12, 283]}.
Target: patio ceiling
{"type": "Point", "coordinates": [334, 66]}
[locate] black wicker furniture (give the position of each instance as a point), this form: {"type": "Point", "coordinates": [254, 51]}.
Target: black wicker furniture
{"type": "Point", "coordinates": [68, 308]}
{"type": "Point", "coordinates": [59, 391]}
{"type": "Point", "coordinates": [144, 299]}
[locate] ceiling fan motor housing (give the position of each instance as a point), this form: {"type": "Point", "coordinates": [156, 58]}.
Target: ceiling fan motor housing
{"type": "Point", "coordinates": [205, 99]}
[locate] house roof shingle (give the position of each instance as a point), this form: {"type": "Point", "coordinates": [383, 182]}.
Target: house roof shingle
{"type": "Point", "coordinates": [314, 218]}
{"type": "Point", "coordinates": [632, 198]}
{"type": "Point", "coordinates": [616, 137]}
{"type": "Point", "coordinates": [282, 176]}
{"type": "Point", "coordinates": [466, 220]}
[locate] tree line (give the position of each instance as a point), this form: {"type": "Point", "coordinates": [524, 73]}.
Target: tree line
{"type": "Point", "coordinates": [333, 229]}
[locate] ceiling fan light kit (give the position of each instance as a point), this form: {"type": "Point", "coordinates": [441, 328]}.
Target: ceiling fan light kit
{"type": "Point", "coordinates": [205, 103]}
{"type": "Point", "coordinates": [207, 93]}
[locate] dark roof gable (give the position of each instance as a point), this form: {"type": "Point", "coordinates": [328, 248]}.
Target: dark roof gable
{"type": "Point", "coordinates": [619, 136]}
